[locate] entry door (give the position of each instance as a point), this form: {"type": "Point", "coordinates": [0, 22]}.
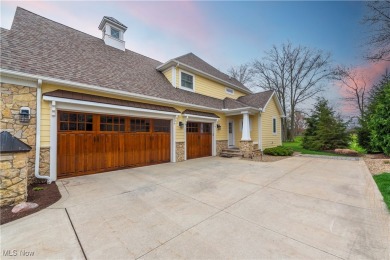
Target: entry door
{"type": "Point", "coordinates": [231, 133]}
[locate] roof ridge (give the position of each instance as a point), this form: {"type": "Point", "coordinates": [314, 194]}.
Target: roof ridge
{"type": "Point", "coordinates": [18, 7]}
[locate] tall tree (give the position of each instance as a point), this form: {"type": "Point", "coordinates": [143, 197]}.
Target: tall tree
{"type": "Point", "coordinates": [295, 73]}
{"type": "Point", "coordinates": [378, 18]}
{"type": "Point", "coordinates": [243, 73]}
{"type": "Point", "coordinates": [355, 86]}
{"type": "Point", "coordinates": [325, 130]}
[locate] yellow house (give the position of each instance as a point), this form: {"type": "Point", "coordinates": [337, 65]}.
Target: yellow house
{"type": "Point", "coordinates": [96, 106]}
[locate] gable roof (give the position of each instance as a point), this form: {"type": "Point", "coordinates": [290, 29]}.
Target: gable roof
{"type": "Point", "coordinates": [41, 47]}
{"type": "Point", "coordinates": [113, 20]}
{"type": "Point", "coordinates": [257, 100]}
{"type": "Point", "coordinates": [38, 46]}
{"type": "Point", "coordinates": [199, 113]}
{"type": "Point", "coordinates": [194, 62]}
{"type": "Point", "coordinates": [11, 144]}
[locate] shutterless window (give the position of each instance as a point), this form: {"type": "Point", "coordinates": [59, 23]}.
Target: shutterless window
{"type": "Point", "coordinates": [75, 121]}
{"type": "Point", "coordinates": [274, 125]}
{"type": "Point", "coordinates": [187, 81]}
{"type": "Point", "coordinates": [230, 91]}
{"type": "Point", "coordinates": [115, 33]}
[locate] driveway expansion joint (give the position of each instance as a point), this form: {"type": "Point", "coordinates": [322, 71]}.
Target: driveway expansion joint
{"type": "Point", "coordinates": [74, 230]}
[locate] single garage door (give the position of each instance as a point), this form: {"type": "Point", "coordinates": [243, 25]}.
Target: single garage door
{"type": "Point", "coordinates": [199, 139]}
{"type": "Point", "coordinates": [91, 143]}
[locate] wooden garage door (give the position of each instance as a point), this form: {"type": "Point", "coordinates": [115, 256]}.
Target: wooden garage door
{"type": "Point", "coordinates": [90, 143]}
{"type": "Point", "coordinates": [199, 140]}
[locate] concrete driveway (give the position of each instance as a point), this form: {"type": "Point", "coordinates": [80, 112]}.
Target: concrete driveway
{"type": "Point", "coordinates": [301, 208]}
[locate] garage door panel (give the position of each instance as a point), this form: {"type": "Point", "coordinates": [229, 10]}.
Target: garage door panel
{"type": "Point", "coordinates": [199, 140]}
{"type": "Point", "coordinates": [101, 143]}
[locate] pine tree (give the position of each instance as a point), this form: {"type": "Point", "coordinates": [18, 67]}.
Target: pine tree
{"type": "Point", "coordinates": [326, 130]}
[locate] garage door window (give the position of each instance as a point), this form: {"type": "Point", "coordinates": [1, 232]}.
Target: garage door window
{"type": "Point", "coordinates": [192, 127]}
{"type": "Point", "coordinates": [75, 121]}
{"type": "Point", "coordinates": [112, 123]}
{"type": "Point", "coordinates": [162, 126]}
{"type": "Point", "coordinates": [205, 128]}
{"type": "Point", "coordinates": [140, 125]}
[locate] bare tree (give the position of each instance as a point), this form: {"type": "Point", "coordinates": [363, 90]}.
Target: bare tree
{"type": "Point", "coordinates": [300, 122]}
{"type": "Point", "coordinates": [243, 73]}
{"type": "Point", "coordinates": [295, 74]}
{"type": "Point", "coordinates": [378, 17]}
{"type": "Point", "coordinates": [355, 86]}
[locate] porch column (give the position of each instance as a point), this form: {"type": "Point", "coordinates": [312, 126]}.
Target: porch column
{"type": "Point", "coordinates": [246, 134]}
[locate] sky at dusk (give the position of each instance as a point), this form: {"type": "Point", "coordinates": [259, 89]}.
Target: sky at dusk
{"type": "Point", "coordinates": [223, 33]}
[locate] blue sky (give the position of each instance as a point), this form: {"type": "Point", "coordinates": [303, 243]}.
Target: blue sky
{"type": "Point", "coordinates": [222, 33]}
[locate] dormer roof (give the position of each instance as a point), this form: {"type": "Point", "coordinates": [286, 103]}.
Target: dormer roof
{"type": "Point", "coordinates": [112, 20]}
{"type": "Point", "coordinates": [192, 62]}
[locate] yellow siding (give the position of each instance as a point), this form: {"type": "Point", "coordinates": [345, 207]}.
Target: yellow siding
{"type": "Point", "coordinates": [268, 138]}
{"type": "Point", "coordinates": [45, 114]}
{"type": "Point", "coordinates": [208, 87]}
{"type": "Point", "coordinates": [168, 74]}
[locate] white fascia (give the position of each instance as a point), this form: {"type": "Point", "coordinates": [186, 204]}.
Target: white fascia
{"type": "Point", "coordinates": [170, 62]}
{"type": "Point", "coordinates": [196, 118]}
{"type": "Point", "coordinates": [71, 104]}
{"type": "Point", "coordinates": [238, 111]}
{"type": "Point", "coordinates": [102, 90]}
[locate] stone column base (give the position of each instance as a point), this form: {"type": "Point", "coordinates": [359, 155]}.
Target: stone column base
{"type": "Point", "coordinates": [180, 151]}
{"type": "Point", "coordinates": [221, 144]}
{"type": "Point", "coordinates": [246, 148]}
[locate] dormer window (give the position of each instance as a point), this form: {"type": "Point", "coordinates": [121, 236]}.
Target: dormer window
{"type": "Point", "coordinates": [186, 81]}
{"type": "Point", "coordinates": [115, 33]}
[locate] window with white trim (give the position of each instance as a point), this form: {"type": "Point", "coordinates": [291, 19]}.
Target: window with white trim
{"type": "Point", "coordinates": [115, 33]}
{"type": "Point", "coordinates": [274, 129]}
{"type": "Point", "coordinates": [229, 91]}
{"type": "Point", "coordinates": [187, 81]}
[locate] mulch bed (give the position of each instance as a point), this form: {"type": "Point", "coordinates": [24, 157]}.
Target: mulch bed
{"type": "Point", "coordinates": [44, 198]}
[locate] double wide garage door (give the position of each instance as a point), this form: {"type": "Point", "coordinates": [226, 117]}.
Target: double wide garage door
{"type": "Point", "coordinates": [199, 140]}
{"type": "Point", "coordinates": [91, 143]}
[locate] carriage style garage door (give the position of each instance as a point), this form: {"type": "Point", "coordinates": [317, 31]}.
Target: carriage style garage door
{"type": "Point", "coordinates": [199, 140]}
{"type": "Point", "coordinates": [91, 143]}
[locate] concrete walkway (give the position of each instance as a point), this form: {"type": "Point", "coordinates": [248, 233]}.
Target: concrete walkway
{"type": "Point", "coordinates": [216, 208]}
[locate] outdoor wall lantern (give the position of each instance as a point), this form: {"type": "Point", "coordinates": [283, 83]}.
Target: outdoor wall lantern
{"type": "Point", "coordinates": [24, 115]}
{"type": "Point", "coordinates": [218, 126]}
{"type": "Point", "coordinates": [181, 124]}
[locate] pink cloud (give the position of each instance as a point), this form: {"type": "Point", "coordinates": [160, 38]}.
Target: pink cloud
{"type": "Point", "coordinates": [182, 20]}
{"type": "Point", "coordinates": [365, 75]}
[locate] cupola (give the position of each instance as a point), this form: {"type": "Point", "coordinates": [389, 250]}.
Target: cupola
{"type": "Point", "coordinates": [112, 32]}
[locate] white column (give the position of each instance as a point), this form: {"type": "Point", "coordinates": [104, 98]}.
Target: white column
{"type": "Point", "coordinates": [246, 134]}
{"type": "Point", "coordinates": [53, 142]}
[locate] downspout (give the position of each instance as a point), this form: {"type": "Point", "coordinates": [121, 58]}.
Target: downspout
{"type": "Point", "coordinates": [38, 134]}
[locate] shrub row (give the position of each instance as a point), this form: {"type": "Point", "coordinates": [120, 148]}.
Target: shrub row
{"type": "Point", "coordinates": [279, 151]}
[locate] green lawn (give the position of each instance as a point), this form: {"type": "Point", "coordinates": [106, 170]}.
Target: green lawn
{"type": "Point", "coordinates": [383, 182]}
{"type": "Point", "coordinates": [297, 147]}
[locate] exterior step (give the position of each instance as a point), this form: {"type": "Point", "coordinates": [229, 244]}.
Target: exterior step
{"type": "Point", "coordinates": [231, 152]}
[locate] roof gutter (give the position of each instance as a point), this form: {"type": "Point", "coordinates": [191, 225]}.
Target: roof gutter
{"type": "Point", "coordinates": [103, 90]}
{"type": "Point", "coordinates": [38, 135]}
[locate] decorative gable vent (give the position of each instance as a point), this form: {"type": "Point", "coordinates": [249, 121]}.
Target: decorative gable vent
{"type": "Point", "coordinates": [112, 32]}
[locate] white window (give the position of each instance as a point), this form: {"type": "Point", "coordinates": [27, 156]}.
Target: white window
{"type": "Point", "coordinates": [187, 81]}
{"type": "Point", "coordinates": [115, 33]}
{"type": "Point", "coordinates": [274, 129]}
{"type": "Point", "coordinates": [229, 91]}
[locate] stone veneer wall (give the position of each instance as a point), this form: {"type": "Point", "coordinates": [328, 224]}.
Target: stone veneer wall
{"type": "Point", "coordinates": [13, 97]}
{"type": "Point", "coordinates": [221, 144]}
{"type": "Point", "coordinates": [13, 178]}
{"type": "Point", "coordinates": [180, 151]}
{"type": "Point", "coordinates": [44, 162]}
{"type": "Point", "coordinates": [246, 148]}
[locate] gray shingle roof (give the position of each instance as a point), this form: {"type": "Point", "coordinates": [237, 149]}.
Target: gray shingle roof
{"type": "Point", "coordinates": [194, 61]}
{"type": "Point", "coordinates": [199, 113]}
{"type": "Point", "coordinates": [257, 100]}
{"type": "Point", "coordinates": [39, 46]}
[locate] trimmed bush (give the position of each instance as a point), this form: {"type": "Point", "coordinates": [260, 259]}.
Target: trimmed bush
{"type": "Point", "coordinates": [279, 151]}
